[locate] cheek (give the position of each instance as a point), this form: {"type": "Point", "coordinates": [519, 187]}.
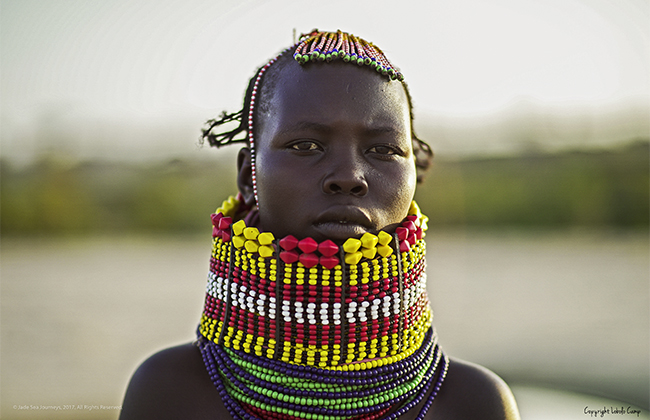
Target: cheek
{"type": "Point", "coordinates": [277, 191]}
{"type": "Point", "coordinates": [397, 191]}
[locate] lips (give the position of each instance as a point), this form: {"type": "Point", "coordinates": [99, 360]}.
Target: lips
{"type": "Point", "coordinates": [342, 222]}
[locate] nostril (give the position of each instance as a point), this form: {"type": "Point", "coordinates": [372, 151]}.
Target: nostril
{"type": "Point", "coordinates": [357, 190]}
{"type": "Point", "coordinates": [334, 188]}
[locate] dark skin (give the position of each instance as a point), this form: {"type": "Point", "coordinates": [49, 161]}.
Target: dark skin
{"type": "Point", "coordinates": [334, 160]}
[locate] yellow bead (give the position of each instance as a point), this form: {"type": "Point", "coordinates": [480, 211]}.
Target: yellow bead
{"type": "Point", "coordinates": [415, 209]}
{"type": "Point", "coordinates": [238, 241]}
{"type": "Point", "coordinates": [238, 228]}
{"type": "Point", "coordinates": [351, 245]}
{"type": "Point", "coordinates": [384, 238]}
{"type": "Point", "coordinates": [368, 252]}
{"type": "Point", "coordinates": [265, 238]}
{"type": "Point", "coordinates": [384, 250]}
{"type": "Point", "coordinates": [251, 246]}
{"type": "Point", "coordinates": [353, 258]}
{"type": "Point", "coordinates": [265, 251]}
{"type": "Point", "coordinates": [368, 240]}
{"type": "Point", "coordinates": [251, 233]}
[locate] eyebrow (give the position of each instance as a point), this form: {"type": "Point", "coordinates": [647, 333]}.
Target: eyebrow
{"type": "Point", "coordinates": [325, 129]}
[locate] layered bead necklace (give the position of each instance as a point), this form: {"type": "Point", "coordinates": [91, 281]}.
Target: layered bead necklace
{"type": "Point", "coordinates": [295, 329]}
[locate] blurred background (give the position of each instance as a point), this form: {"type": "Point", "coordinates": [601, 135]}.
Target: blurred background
{"type": "Point", "coordinates": [539, 114]}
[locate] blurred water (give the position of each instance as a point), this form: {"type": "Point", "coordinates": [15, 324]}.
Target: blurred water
{"type": "Point", "coordinates": [556, 310]}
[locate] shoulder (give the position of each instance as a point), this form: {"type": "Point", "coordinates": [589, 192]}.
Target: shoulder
{"type": "Point", "coordinates": [172, 383]}
{"type": "Point", "coordinates": [470, 392]}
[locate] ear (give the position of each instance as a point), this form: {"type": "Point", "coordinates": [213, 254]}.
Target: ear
{"type": "Point", "coordinates": [245, 176]}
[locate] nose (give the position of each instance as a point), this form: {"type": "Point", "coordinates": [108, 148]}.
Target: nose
{"type": "Point", "coordinates": [346, 177]}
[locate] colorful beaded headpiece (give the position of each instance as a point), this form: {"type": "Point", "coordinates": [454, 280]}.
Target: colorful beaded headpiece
{"type": "Point", "coordinates": [327, 46]}
{"type": "Point", "coordinates": [296, 329]}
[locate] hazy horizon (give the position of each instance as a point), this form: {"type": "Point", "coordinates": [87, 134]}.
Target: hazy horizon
{"type": "Point", "coordinates": [136, 80]}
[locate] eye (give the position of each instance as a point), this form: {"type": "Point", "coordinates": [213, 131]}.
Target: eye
{"type": "Point", "coordinates": [385, 150]}
{"type": "Point", "coordinates": [305, 146]}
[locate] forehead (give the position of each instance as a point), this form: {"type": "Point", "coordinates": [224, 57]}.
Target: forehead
{"type": "Point", "coordinates": [335, 92]}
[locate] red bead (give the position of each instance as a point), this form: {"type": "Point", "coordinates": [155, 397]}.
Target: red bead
{"type": "Point", "coordinates": [412, 239]}
{"type": "Point", "coordinates": [328, 248]}
{"type": "Point", "coordinates": [216, 232]}
{"type": "Point", "coordinates": [419, 233]}
{"type": "Point", "coordinates": [308, 259]}
{"type": "Point", "coordinates": [412, 218]}
{"type": "Point", "coordinates": [308, 245]}
{"type": "Point", "coordinates": [225, 222]}
{"type": "Point", "coordinates": [404, 246]}
{"type": "Point", "coordinates": [288, 242]}
{"type": "Point", "coordinates": [329, 262]}
{"type": "Point", "coordinates": [410, 226]}
{"type": "Point", "coordinates": [215, 218]}
{"type": "Point", "coordinates": [225, 235]}
{"type": "Point", "coordinates": [289, 257]}
{"type": "Point", "coordinates": [402, 233]}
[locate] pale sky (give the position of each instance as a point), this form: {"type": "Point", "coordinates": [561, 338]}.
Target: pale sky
{"type": "Point", "coordinates": [141, 62]}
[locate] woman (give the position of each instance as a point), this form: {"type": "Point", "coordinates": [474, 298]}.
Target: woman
{"type": "Point", "coordinates": [316, 304]}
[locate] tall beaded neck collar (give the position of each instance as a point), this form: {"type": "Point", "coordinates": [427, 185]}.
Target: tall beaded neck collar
{"type": "Point", "coordinates": [297, 300]}
{"type": "Point", "coordinates": [298, 329]}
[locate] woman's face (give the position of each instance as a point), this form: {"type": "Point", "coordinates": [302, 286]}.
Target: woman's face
{"type": "Point", "coordinates": [334, 157]}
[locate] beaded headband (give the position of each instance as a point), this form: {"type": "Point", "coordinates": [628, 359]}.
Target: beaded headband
{"type": "Point", "coordinates": [327, 46]}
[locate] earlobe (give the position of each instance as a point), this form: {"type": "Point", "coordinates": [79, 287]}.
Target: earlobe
{"type": "Point", "coordinates": [245, 176]}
